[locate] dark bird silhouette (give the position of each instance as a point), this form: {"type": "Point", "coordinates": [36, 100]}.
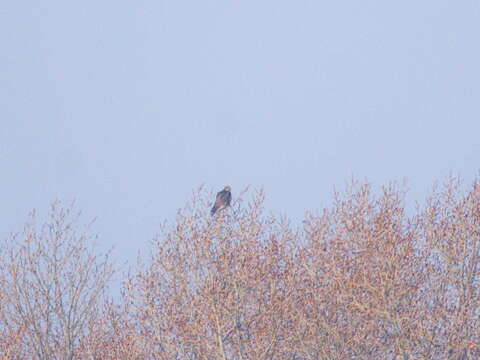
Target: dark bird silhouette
{"type": "Point", "coordinates": [223, 200]}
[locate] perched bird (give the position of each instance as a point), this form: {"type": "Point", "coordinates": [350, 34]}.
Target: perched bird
{"type": "Point", "coordinates": [223, 200]}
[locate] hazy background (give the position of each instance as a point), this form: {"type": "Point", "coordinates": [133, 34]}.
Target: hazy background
{"type": "Point", "coordinates": [128, 106]}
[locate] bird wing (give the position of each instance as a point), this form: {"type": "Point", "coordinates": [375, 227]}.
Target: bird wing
{"type": "Point", "coordinates": [227, 197]}
{"type": "Point", "coordinates": [222, 200]}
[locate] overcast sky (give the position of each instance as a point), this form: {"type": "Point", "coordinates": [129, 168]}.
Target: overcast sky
{"type": "Point", "coordinates": [127, 106]}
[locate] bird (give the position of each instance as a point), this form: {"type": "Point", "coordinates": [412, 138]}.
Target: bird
{"type": "Point", "coordinates": [222, 200]}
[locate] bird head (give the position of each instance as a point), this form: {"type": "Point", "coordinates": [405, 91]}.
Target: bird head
{"type": "Point", "coordinates": [227, 188]}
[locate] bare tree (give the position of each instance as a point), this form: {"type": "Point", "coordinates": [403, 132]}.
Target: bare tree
{"type": "Point", "coordinates": [215, 288]}
{"type": "Point", "coordinates": [52, 285]}
{"type": "Point", "coordinates": [451, 325]}
{"type": "Point", "coordinates": [362, 279]}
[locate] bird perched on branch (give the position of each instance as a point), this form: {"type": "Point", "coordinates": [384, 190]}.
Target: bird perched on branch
{"type": "Point", "coordinates": [223, 200]}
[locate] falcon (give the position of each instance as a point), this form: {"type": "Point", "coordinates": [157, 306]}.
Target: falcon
{"type": "Point", "coordinates": [223, 200]}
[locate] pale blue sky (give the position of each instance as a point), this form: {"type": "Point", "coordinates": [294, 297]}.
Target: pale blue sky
{"type": "Point", "coordinates": [128, 106]}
